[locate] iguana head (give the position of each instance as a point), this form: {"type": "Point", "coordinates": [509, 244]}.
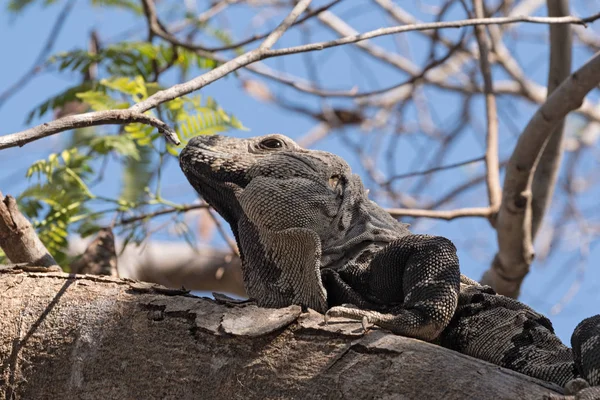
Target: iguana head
{"type": "Point", "coordinates": [220, 167]}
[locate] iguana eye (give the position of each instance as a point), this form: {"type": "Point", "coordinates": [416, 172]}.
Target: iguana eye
{"type": "Point", "coordinates": [271, 143]}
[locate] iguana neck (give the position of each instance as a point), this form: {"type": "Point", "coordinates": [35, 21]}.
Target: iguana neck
{"type": "Point", "coordinates": [361, 225]}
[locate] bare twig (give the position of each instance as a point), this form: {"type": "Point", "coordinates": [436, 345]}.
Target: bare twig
{"type": "Point", "coordinates": [436, 169]}
{"type": "Point", "coordinates": [95, 118]}
{"type": "Point", "coordinates": [167, 35]}
{"type": "Point", "coordinates": [513, 225]}
{"type": "Point", "coordinates": [546, 173]}
{"type": "Point", "coordinates": [170, 210]}
{"type": "Point", "coordinates": [285, 25]}
{"type": "Point", "coordinates": [259, 54]}
{"type": "Point", "coordinates": [37, 64]}
{"type": "Point", "coordinates": [199, 82]}
{"type": "Point", "coordinates": [433, 25]}
{"type": "Point", "coordinates": [485, 212]}
{"type": "Point", "coordinates": [491, 154]}
{"type": "Point", "coordinates": [176, 91]}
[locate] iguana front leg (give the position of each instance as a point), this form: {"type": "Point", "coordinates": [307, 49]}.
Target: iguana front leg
{"type": "Point", "coordinates": [418, 275]}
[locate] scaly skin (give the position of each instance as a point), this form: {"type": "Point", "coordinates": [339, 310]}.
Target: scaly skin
{"type": "Point", "coordinates": [309, 235]}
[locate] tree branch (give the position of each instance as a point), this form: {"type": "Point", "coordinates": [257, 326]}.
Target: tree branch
{"type": "Point", "coordinates": [259, 54]}
{"type": "Point", "coordinates": [432, 25]}
{"type": "Point", "coordinates": [18, 239]}
{"type": "Point", "coordinates": [485, 212]}
{"type": "Point", "coordinates": [285, 25]}
{"type": "Point", "coordinates": [546, 173]}
{"type": "Point", "coordinates": [170, 344]}
{"type": "Point", "coordinates": [491, 154]}
{"type": "Point", "coordinates": [134, 113]}
{"type": "Point", "coordinates": [199, 82]}
{"type": "Point", "coordinates": [118, 117]}
{"type": "Point", "coordinates": [513, 225]}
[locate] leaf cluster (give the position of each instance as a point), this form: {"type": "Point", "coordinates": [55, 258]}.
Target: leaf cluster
{"type": "Point", "coordinates": [61, 198]}
{"type": "Point", "coordinates": [62, 202]}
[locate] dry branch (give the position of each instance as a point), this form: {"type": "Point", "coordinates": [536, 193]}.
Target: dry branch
{"type": "Point", "coordinates": [119, 117]}
{"type": "Point", "coordinates": [18, 239]}
{"type": "Point", "coordinates": [135, 112]}
{"type": "Point", "coordinates": [546, 173]}
{"type": "Point", "coordinates": [90, 337]}
{"type": "Point", "coordinates": [41, 57]}
{"type": "Point", "coordinates": [263, 53]}
{"type": "Point", "coordinates": [515, 241]}
{"type": "Point", "coordinates": [485, 212]}
{"type": "Point", "coordinates": [491, 155]}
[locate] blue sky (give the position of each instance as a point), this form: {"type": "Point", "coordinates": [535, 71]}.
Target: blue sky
{"type": "Point", "coordinates": [21, 38]}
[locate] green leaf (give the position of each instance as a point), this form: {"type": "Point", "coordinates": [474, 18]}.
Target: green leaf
{"type": "Point", "coordinates": [99, 101]}
{"type": "Point", "coordinates": [136, 176]}
{"type": "Point", "coordinates": [120, 144]}
{"type": "Point", "coordinates": [195, 119]}
{"type": "Point", "coordinates": [61, 99]}
{"type": "Point", "coordinates": [19, 5]}
{"type": "Point", "coordinates": [130, 59]}
{"type": "Point", "coordinates": [134, 87]}
{"type": "Point", "coordinates": [129, 5]}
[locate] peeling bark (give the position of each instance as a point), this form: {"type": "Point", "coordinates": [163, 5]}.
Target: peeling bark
{"type": "Point", "coordinates": [18, 239]}
{"type": "Point", "coordinates": [93, 337]}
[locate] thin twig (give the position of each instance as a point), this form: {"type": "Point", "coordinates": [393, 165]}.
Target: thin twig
{"type": "Point", "coordinates": [199, 82]}
{"type": "Point", "coordinates": [118, 117]}
{"type": "Point", "coordinates": [231, 243]}
{"type": "Point", "coordinates": [251, 39]}
{"type": "Point", "coordinates": [491, 153]}
{"type": "Point", "coordinates": [432, 25]}
{"type": "Point", "coordinates": [260, 54]}
{"type": "Point", "coordinates": [436, 169]}
{"type": "Point", "coordinates": [413, 79]}
{"type": "Point", "coordinates": [170, 210]}
{"type": "Point", "coordinates": [485, 212]}
{"type": "Point", "coordinates": [37, 64]}
{"type": "Point", "coordinates": [285, 25]}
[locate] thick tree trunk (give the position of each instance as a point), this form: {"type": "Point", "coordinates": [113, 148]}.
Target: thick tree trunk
{"type": "Point", "coordinates": [91, 337]}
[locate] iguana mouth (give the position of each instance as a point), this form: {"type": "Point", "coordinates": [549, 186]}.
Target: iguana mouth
{"type": "Point", "coordinates": [213, 167]}
{"type": "Point", "coordinates": [215, 176]}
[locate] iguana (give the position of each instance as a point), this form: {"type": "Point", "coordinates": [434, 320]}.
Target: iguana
{"type": "Point", "coordinates": [309, 235]}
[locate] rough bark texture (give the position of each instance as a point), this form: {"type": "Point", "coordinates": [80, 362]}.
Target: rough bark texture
{"type": "Point", "coordinates": [91, 337]}
{"type": "Point", "coordinates": [18, 239]}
